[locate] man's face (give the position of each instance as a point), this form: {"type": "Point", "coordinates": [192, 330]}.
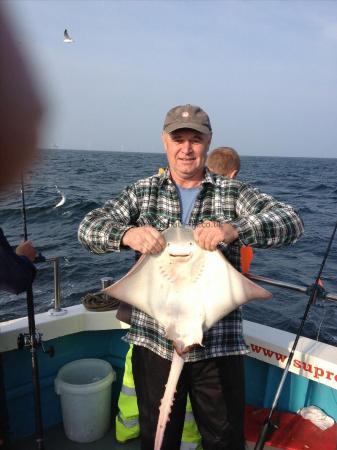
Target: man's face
{"type": "Point", "coordinates": [186, 151]}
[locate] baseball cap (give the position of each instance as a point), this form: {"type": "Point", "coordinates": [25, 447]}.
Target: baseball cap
{"type": "Point", "coordinates": [187, 116]}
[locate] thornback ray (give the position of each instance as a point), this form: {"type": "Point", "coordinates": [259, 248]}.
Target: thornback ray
{"type": "Point", "coordinates": [187, 290]}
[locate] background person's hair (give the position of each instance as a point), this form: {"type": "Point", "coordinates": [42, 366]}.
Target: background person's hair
{"type": "Point", "coordinates": [223, 160]}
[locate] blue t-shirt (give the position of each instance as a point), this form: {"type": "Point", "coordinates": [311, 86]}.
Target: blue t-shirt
{"type": "Point", "coordinates": [187, 198]}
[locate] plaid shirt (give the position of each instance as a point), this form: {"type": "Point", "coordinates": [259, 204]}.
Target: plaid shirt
{"type": "Point", "coordinates": [260, 220]}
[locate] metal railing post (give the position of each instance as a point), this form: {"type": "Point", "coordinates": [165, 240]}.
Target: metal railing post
{"type": "Point", "coordinates": [57, 310]}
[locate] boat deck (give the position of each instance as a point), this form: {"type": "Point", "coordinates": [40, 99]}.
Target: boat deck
{"type": "Point", "coordinates": [55, 439]}
{"type": "Point", "coordinates": [81, 334]}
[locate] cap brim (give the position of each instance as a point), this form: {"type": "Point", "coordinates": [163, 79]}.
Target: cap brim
{"type": "Point", "coordinates": [191, 126]}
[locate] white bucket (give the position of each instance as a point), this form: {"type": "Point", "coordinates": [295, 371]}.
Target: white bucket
{"type": "Point", "coordinates": [85, 389]}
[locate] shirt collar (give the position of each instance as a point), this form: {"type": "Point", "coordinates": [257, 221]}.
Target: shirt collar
{"type": "Point", "coordinates": [166, 178]}
{"type": "Point", "coordinates": [209, 177]}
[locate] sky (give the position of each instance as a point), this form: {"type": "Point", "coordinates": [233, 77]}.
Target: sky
{"type": "Point", "coordinates": [265, 71]}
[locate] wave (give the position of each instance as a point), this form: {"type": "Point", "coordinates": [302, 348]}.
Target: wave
{"type": "Point", "coordinates": [319, 187]}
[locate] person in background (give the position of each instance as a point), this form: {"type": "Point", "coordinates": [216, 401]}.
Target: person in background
{"type": "Point", "coordinates": [17, 273]}
{"type": "Point", "coordinates": [224, 214]}
{"type": "Point", "coordinates": [20, 114]}
{"type": "Point", "coordinates": [17, 270]}
{"type": "Point", "coordinates": [224, 161]}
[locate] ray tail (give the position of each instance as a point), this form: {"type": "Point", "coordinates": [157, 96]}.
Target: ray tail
{"type": "Point", "coordinates": [167, 401]}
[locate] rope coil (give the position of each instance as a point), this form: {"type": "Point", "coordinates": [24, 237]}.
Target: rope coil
{"type": "Point", "coordinates": [99, 302]}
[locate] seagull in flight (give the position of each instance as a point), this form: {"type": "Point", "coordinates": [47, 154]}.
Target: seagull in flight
{"type": "Point", "coordinates": [66, 37]}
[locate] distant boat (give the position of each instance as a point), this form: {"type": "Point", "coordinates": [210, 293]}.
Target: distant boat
{"type": "Point", "coordinates": [66, 37]}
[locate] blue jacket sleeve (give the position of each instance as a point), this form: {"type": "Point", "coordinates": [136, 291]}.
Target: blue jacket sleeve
{"type": "Point", "coordinates": [16, 272]}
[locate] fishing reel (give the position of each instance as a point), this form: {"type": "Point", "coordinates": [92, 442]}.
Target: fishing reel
{"type": "Point", "coordinates": [26, 340]}
{"type": "Point", "coordinates": [40, 258]}
{"type": "Point", "coordinates": [318, 292]}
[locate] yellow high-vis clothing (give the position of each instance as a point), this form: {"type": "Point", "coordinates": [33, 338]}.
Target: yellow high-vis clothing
{"type": "Point", "coordinates": [127, 423]}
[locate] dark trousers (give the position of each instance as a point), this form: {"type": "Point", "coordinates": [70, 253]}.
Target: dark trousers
{"type": "Point", "coordinates": [216, 389]}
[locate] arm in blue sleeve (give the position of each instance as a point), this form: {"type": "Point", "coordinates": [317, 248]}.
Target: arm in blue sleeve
{"type": "Point", "coordinates": [16, 272]}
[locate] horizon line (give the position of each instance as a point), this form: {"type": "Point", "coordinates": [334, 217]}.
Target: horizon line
{"type": "Point", "coordinates": [163, 152]}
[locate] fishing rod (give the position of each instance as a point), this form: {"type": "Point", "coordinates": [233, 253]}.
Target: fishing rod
{"type": "Point", "coordinates": [268, 426]}
{"type": "Point", "coordinates": [32, 340]}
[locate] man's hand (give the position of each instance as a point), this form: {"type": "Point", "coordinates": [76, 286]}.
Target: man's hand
{"type": "Point", "coordinates": [208, 234]}
{"type": "Point", "coordinates": [26, 249]}
{"type": "Point", "coordinates": [145, 240]}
